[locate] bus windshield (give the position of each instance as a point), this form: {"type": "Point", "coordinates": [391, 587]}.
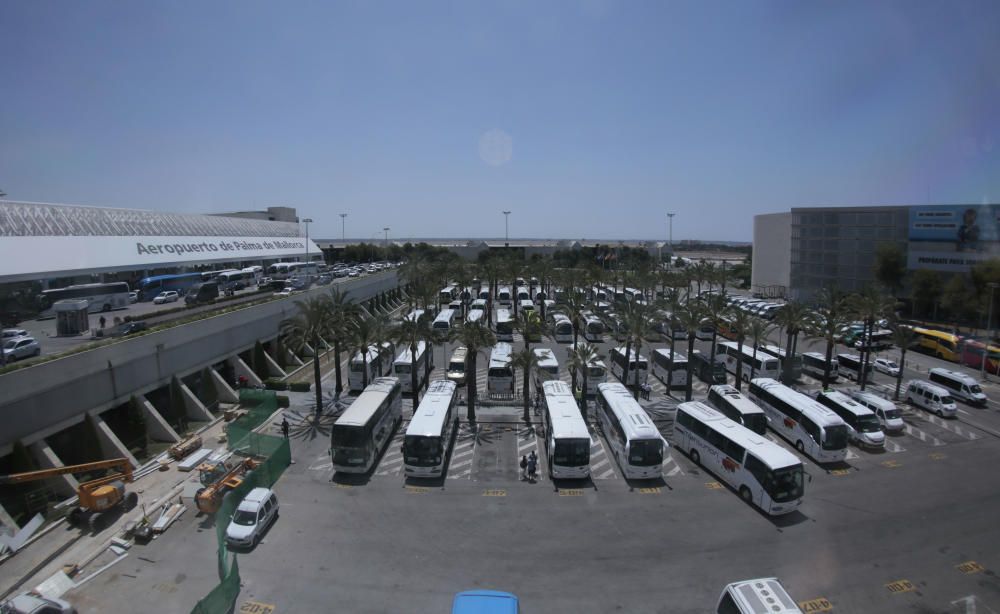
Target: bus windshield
{"type": "Point", "coordinates": [784, 484]}
{"type": "Point", "coordinates": [836, 437]}
{"type": "Point", "coordinates": [868, 424]}
{"type": "Point", "coordinates": [422, 451]}
{"type": "Point", "coordinates": [891, 414]}
{"type": "Point", "coordinates": [402, 369]}
{"type": "Point", "coordinates": [645, 452]}
{"type": "Point", "coordinates": [499, 372]}
{"type": "Point", "coordinates": [571, 452]}
{"type": "Point", "coordinates": [756, 423]}
{"type": "Point", "coordinates": [596, 372]}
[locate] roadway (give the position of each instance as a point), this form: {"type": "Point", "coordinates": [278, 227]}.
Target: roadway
{"type": "Point", "coordinates": [908, 529]}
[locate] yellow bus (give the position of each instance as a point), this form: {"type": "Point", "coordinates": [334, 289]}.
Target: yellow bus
{"type": "Point", "coordinates": [939, 343]}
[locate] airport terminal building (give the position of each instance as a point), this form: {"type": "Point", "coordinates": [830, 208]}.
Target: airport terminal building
{"type": "Point", "coordinates": [798, 252]}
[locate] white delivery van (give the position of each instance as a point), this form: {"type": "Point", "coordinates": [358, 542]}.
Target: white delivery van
{"type": "Point", "coordinates": [930, 397]}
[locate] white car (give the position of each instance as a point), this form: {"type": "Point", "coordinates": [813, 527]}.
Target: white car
{"type": "Point", "coordinates": [168, 296]}
{"type": "Point", "coordinates": [286, 292]}
{"type": "Point", "coordinates": [133, 297]}
{"type": "Point", "coordinates": [13, 333]}
{"type": "Point", "coordinates": [20, 347]}
{"type": "Point", "coordinates": [889, 367]}
{"type": "Point", "coordinates": [251, 517]}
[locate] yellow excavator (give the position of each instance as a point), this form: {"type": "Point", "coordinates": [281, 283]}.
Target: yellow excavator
{"type": "Point", "coordinates": [217, 479]}
{"type": "Point", "coordinates": [96, 497]}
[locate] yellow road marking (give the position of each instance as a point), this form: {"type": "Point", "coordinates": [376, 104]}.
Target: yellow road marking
{"type": "Point", "coordinates": [820, 604]}
{"type": "Point", "coordinates": [713, 485]}
{"type": "Point", "coordinates": [650, 491]}
{"type": "Point", "coordinates": [938, 456]}
{"type": "Point", "coordinates": [570, 492]}
{"type": "Point", "coordinates": [256, 607]}
{"type": "Point", "coordinates": [417, 490]}
{"type": "Point", "coordinates": [343, 485]}
{"type": "Point", "coordinates": [840, 472]}
{"type": "Point", "coordinates": [970, 567]}
{"type": "Point", "coordinates": [494, 492]}
{"type": "Point", "coordinates": [900, 586]}
{"type": "Point", "coordinates": [892, 464]}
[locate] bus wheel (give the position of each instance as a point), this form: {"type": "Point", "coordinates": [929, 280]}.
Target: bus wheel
{"type": "Point", "coordinates": [800, 446]}
{"type": "Point", "coordinates": [695, 457]}
{"type": "Point", "coordinates": [745, 494]}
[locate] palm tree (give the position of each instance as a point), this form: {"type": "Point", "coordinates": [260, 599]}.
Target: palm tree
{"type": "Point", "coordinates": [672, 302]}
{"type": "Point", "coordinates": [830, 318]}
{"type": "Point", "coordinates": [638, 323]}
{"type": "Point", "coordinates": [527, 361]}
{"type": "Point", "coordinates": [475, 337]}
{"type": "Point", "coordinates": [573, 306]}
{"type": "Point", "coordinates": [758, 329]}
{"type": "Point", "coordinates": [360, 338]}
{"type": "Point", "coordinates": [793, 317]}
{"type": "Point", "coordinates": [579, 361]}
{"type": "Point", "coordinates": [904, 337]}
{"type": "Point", "coordinates": [409, 333]}
{"type": "Point", "coordinates": [342, 312]}
{"type": "Point", "coordinates": [717, 312]}
{"type": "Point", "coordinates": [868, 306]}
{"type": "Point", "coordinates": [689, 316]}
{"type": "Point", "coordinates": [308, 327]}
{"type": "Point", "coordinates": [740, 322]}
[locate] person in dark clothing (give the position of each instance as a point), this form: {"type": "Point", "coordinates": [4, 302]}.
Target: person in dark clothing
{"type": "Point", "coordinates": [284, 427]}
{"type": "Point", "coordinates": [532, 469]}
{"type": "Point", "coordinates": [524, 468]}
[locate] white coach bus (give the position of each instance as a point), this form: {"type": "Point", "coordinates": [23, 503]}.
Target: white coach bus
{"type": "Point", "coordinates": [429, 436]}
{"type": "Point", "coordinates": [548, 367]}
{"type": "Point", "coordinates": [638, 366]}
{"type": "Point", "coordinates": [593, 328]}
{"type": "Point", "coordinates": [567, 441]}
{"type": "Point", "coordinates": [813, 363]}
{"type": "Point", "coordinates": [762, 472]}
{"type": "Point", "coordinates": [364, 429]}
{"type": "Point", "coordinates": [562, 328]}
{"type": "Point", "coordinates": [813, 429]}
{"type": "Point", "coordinates": [406, 362]}
{"type": "Point", "coordinates": [500, 375]}
{"type": "Point", "coordinates": [734, 405]}
{"type": "Point", "coordinates": [665, 363]}
{"type": "Point", "coordinates": [376, 359]}
{"type": "Point", "coordinates": [504, 326]}
{"type": "Point", "coordinates": [635, 441]}
{"type": "Point", "coordinates": [764, 365]}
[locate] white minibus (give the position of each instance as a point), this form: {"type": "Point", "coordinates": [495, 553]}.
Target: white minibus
{"type": "Point", "coordinates": [504, 297]}
{"type": "Point", "coordinates": [444, 321]}
{"type": "Point", "coordinates": [962, 386]}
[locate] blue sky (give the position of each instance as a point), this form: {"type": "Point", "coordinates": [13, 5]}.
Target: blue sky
{"type": "Point", "coordinates": [586, 119]}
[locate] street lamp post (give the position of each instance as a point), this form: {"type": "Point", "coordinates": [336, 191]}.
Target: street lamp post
{"type": "Point", "coordinates": [307, 221]}
{"type": "Point", "coordinates": [385, 244]}
{"type": "Point", "coordinates": [670, 235]}
{"type": "Point", "coordinates": [989, 320]}
{"type": "Point", "coordinates": [506, 229]}
{"type": "Point", "coordinates": [342, 235]}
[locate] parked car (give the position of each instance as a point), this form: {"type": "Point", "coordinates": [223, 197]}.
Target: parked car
{"type": "Point", "coordinates": [252, 516]}
{"type": "Point", "coordinates": [12, 333]}
{"type": "Point", "coordinates": [167, 296]}
{"type": "Point", "coordinates": [887, 366]}
{"type": "Point", "coordinates": [264, 282]}
{"type": "Point", "coordinates": [133, 297]}
{"type": "Point", "coordinates": [129, 328]}
{"type": "Point", "coordinates": [20, 347]}
{"type": "Point", "coordinates": [287, 291]}
{"type": "Point", "coordinates": [35, 603]}
{"type": "Point", "coordinates": [324, 279]}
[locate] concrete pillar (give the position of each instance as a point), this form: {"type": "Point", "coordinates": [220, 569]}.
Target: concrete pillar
{"type": "Point", "coordinates": [47, 459]}
{"type": "Point", "coordinates": [157, 428]}
{"type": "Point", "coordinates": [273, 369]}
{"type": "Point", "coordinates": [7, 521]}
{"type": "Point", "coordinates": [241, 368]}
{"type": "Point", "coordinates": [307, 350]}
{"type": "Point", "coordinates": [111, 446]}
{"type": "Point", "coordinates": [196, 410]}
{"type": "Point", "coordinates": [223, 390]}
{"type": "Point", "coordinates": [292, 358]}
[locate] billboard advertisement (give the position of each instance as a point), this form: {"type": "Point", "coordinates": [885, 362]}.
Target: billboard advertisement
{"type": "Point", "coordinates": [952, 237]}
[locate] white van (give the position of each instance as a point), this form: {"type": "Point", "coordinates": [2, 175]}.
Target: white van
{"type": "Point", "coordinates": [929, 397]}
{"type": "Point", "coordinates": [961, 385]}
{"type": "Point", "coordinates": [254, 513]}
{"type": "Point", "coordinates": [885, 410]}
{"type": "Point", "coordinates": [761, 596]}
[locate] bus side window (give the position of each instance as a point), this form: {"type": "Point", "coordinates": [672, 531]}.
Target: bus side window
{"type": "Point", "coordinates": [811, 428]}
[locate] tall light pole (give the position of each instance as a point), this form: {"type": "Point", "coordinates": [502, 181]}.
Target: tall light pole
{"type": "Point", "coordinates": [986, 346]}
{"type": "Point", "coordinates": [342, 216]}
{"type": "Point", "coordinates": [385, 245]}
{"type": "Point", "coordinates": [307, 221]}
{"type": "Point", "coordinates": [670, 236]}
{"type": "Point", "coordinates": [506, 229]}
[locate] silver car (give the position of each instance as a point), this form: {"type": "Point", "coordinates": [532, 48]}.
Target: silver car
{"type": "Point", "coordinates": [20, 347]}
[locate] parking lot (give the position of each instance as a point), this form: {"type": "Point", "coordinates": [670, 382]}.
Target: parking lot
{"type": "Point", "coordinates": [899, 530]}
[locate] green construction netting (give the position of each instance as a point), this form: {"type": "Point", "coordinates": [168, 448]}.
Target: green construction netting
{"type": "Point", "coordinates": [275, 455]}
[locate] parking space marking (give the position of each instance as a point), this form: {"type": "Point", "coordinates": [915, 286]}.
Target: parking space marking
{"type": "Point", "coordinates": [417, 490]}
{"type": "Point", "coordinates": [820, 604]}
{"type": "Point", "coordinates": [840, 471]}
{"type": "Point", "coordinates": [650, 491]}
{"type": "Point", "coordinates": [601, 467]}
{"type": "Point", "coordinates": [923, 435]}
{"type": "Point", "coordinates": [256, 607]}
{"type": "Point", "coordinates": [892, 464]}
{"type": "Point", "coordinates": [462, 454]}
{"type": "Point", "coordinates": [970, 567]}
{"type": "Point", "coordinates": [495, 492]}
{"type": "Point", "coordinates": [900, 586]}
{"type": "Point", "coordinates": [893, 447]}
{"type": "Point", "coordinates": [570, 492]}
{"type": "Point", "coordinates": [938, 456]}
{"type": "Point", "coordinates": [527, 442]}
{"type": "Point", "coordinates": [713, 485]}
{"type": "Point", "coordinates": [852, 455]}
{"type": "Point", "coordinates": [949, 425]}
{"type": "Point", "coordinates": [392, 460]}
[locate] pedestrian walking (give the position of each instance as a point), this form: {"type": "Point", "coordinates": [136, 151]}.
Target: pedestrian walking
{"type": "Point", "coordinates": [284, 427]}
{"type": "Point", "coordinates": [532, 469]}
{"type": "Point", "coordinates": [524, 468]}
